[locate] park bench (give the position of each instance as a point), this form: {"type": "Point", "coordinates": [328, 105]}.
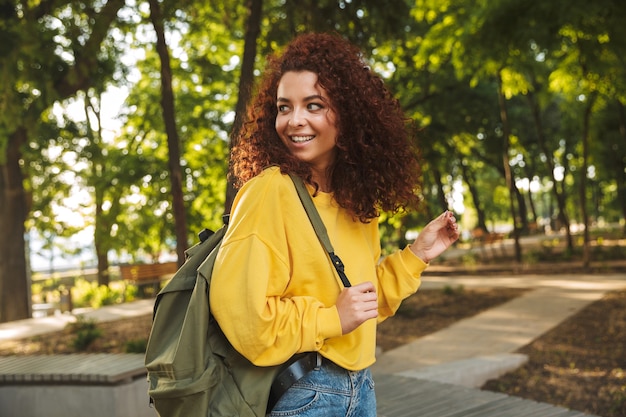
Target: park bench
{"type": "Point", "coordinates": [485, 238]}
{"type": "Point", "coordinates": [95, 385]}
{"type": "Point", "coordinates": [148, 275]}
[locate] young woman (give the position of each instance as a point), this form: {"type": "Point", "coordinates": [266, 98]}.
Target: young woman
{"type": "Point", "coordinates": [322, 114]}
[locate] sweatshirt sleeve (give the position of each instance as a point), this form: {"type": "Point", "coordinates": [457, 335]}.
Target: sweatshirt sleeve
{"type": "Point", "coordinates": [399, 276]}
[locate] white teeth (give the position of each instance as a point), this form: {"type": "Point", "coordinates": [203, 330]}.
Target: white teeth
{"type": "Point", "coordinates": [300, 139]}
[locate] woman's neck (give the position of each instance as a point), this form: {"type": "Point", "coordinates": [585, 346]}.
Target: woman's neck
{"type": "Point", "coordinates": [322, 180]}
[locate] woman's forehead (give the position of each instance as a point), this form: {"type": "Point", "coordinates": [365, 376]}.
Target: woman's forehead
{"type": "Point", "coordinates": [300, 84]}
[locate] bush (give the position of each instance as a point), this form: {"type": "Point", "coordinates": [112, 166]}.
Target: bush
{"type": "Point", "coordinates": [90, 294]}
{"type": "Point", "coordinates": [470, 260]}
{"type": "Point", "coordinates": [86, 332]}
{"type": "Point", "coordinates": [136, 346]}
{"type": "Point", "coordinates": [531, 257]}
{"type": "Point", "coordinates": [449, 290]}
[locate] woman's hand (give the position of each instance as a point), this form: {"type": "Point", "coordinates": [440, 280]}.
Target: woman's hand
{"type": "Point", "coordinates": [437, 236]}
{"type": "Point", "coordinates": [357, 304]}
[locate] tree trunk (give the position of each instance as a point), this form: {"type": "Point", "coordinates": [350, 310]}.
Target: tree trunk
{"type": "Point", "coordinates": [522, 210]}
{"type": "Point", "coordinates": [507, 168]}
{"type": "Point", "coordinates": [98, 169]}
{"type": "Point", "coordinates": [246, 81]}
{"type": "Point", "coordinates": [583, 181]}
{"type": "Point", "coordinates": [441, 195]}
{"type": "Point", "coordinates": [173, 142]}
{"type": "Point", "coordinates": [558, 195]}
{"type": "Point", "coordinates": [471, 185]}
{"type": "Point", "coordinates": [15, 302]}
{"type": "Point", "coordinates": [530, 174]}
{"type": "Point", "coordinates": [566, 164]}
{"type": "Point", "coordinates": [99, 241]}
{"type": "Point", "coordinates": [621, 175]}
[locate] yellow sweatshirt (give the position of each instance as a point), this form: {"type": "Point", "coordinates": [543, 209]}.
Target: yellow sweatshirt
{"type": "Point", "coordinates": [273, 288]}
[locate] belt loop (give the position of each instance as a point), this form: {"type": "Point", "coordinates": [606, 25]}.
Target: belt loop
{"type": "Point", "coordinates": [318, 361]}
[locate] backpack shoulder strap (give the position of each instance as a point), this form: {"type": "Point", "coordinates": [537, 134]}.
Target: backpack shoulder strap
{"type": "Point", "coordinates": [320, 229]}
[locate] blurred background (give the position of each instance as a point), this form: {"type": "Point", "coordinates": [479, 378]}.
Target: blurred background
{"type": "Point", "coordinates": [116, 118]}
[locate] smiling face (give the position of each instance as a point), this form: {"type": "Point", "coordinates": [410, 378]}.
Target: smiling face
{"type": "Point", "coordinates": [306, 123]}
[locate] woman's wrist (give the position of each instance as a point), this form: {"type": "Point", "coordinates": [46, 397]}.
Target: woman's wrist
{"type": "Point", "coordinates": [419, 253]}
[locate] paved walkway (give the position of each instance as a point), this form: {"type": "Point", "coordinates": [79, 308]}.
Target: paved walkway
{"type": "Point", "coordinates": [37, 326]}
{"type": "Point", "coordinates": [486, 341]}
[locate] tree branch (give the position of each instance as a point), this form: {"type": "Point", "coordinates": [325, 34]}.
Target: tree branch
{"type": "Point", "coordinates": [78, 77]}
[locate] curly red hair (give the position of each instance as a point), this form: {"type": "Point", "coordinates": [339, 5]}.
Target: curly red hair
{"type": "Point", "coordinates": [376, 167]}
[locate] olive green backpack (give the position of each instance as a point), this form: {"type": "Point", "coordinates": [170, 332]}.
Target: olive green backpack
{"type": "Point", "coordinates": [193, 371]}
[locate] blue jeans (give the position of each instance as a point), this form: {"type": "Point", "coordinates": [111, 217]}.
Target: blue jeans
{"type": "Point", "coordinates": [329, 391]}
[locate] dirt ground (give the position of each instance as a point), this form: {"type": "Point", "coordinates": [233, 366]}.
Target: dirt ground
{"type": "Point", "coordinates": [580, 364]}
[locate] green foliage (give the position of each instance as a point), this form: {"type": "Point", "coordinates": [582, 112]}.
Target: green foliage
{"type": "Point", "coordinates": [392, 231]}
{"type": "Point", "coordinates": [530, 257]}
{"type": "Point", "coordinates": [36, 291]}
{"type": "Point", "coordinates": [129, 291]}
{"type": "Point", "coordinates": [85, 331]}
{"type": "Point", "coordinates": [608, 252]}
{"type": "Point", "coordinates": [440, 58]}
{"type": "Point", "coordinates": [90, 294]}
{"type": "Point", "coordinates": [135, 346]}
{"type": "Point", "coordinates": [470, 259]}
{"type": "Point", "coordinates": [618, 396]}
{"type": "Point", "coordinates": [450, 290]}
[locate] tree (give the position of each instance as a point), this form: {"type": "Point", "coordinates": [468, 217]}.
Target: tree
{"type": "Point", "coordinates": [246, 81]}
{"type": "Point", "coordinates": [173, 142]}
{"type": "Point", "coordinates": [591, 44]}
{"type": "Point", "coordinates": [95, 156]}
{"type": "Point", "coordinates": [50, 59]}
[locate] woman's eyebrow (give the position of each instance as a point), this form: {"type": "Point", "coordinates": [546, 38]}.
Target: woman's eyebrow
{"type": "Point", "coordinates": [307, 98]}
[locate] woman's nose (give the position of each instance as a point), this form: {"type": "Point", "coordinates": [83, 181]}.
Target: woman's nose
{"type": "Point", "coordinates": [297, 118]}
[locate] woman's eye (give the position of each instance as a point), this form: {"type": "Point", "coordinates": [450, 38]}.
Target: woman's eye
{"type": "Point", "coordinates": [282, 108]}
{"type": "Point", "coordinates": [315, 106]}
